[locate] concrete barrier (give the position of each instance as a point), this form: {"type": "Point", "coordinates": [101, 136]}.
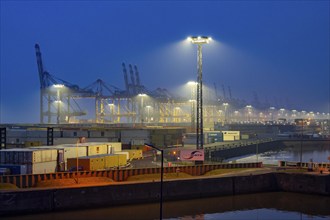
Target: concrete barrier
{"type": "Point", "coordinates": [27, 181]}
{"type": "Point", "coordinates": [303, 183]}
{"type": "Point", "coordinates": [21, 202]}
{"type": "Point", "coordinates": [32, 201]}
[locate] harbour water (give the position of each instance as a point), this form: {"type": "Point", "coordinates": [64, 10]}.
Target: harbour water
{"type": "Point", "coordinates": [318, 154]}
{"type": "Point", "coordinates": [274, 205]}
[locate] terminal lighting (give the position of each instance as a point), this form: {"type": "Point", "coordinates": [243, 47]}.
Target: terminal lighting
{"type": "Point", "coordinates": [58, 86]}
{"type": "Point", "coordinates": [199, 39]}
{"type": "Point", "coordinates": [192, 83]}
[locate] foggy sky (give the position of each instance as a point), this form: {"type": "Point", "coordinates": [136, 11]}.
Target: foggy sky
{"type": "Point", "coordinates": [278, 49]}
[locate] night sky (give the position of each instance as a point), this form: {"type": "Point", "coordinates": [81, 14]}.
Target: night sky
{"type": "Point", "coordinates": [278, 49]}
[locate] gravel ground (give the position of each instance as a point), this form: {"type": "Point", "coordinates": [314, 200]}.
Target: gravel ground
{"type": "Point", "coordinates": [87, 181]}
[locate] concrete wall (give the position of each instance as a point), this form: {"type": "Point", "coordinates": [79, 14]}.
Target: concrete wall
{"type": "Point", "coordinates": [32, 201]}
{"type": "Point", "coordinates": [219, 155]}
{"type": "Point", "coordinates": [313, 184]}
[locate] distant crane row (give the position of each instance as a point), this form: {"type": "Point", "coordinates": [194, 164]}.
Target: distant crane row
{"type": "Point", "coordinates": [59, 100]}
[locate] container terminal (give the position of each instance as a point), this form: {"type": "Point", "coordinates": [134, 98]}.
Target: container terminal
{"type": "Point", "coordinates": [138, 115]}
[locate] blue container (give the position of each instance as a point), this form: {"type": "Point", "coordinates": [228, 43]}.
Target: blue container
{"type": "Point", "coordinates": [15, 169]}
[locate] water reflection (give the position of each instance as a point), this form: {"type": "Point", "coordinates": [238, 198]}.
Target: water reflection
{"type": "Point", "coordinates": [317, 154]}
{"type": "Point", "coordinates": [276, 205]}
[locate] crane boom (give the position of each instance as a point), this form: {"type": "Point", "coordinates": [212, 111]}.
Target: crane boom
{"type": "Point", "coordinates": [229, 91]}
{"type": "Point", "coordinates": [132, 78]}
{"type": "Point", "coordinates": [137, 76]}
{"type": "Point", "coordinates": [215, 91]}
{"type": "Point", "coordinates": [125, 78]}
{"type": "Point", "coordinates": [224, 91]}
{"type": "Point", "coordinates": [40, 66]}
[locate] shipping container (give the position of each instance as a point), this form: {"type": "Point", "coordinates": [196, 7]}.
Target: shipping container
{"type": "Point", "coordinates": [123, 153]}
{"type": "Point", "coordinates": [66, 151]}
{"type": "Point", "coordinates": [114, 160]}
{"type": "Point", "coordinates": [134, 154]}
{"type": "Point", "coordinates": [15, 169]}
{"type": "Point", "coordinates": [245, 136]}
{"type": "Point", "coordinates": [96, 149]}
{"type": "Point", "coordinates": [43, 167]}
{"type": "Point", "coordinates": [231, 135]}
{"type": "Point", "coordinates": [87, 163]}
{"type": "Point", "coordinates": [27, 155]}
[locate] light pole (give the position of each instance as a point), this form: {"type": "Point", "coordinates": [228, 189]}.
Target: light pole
{"type": "Point", "coordinates": [148, 112]}
{"type": "Point", "coordinates": [200, 40]}
{"type": "Point", "coordinates": [141, 108]}
{"type": "Point", "coordinates": [192, 84]}
{"type": "Point", "coordinates": [226, 105]}
{"type": "Point", "coordinates": [249, 108]}
{"type": "Point", "coordinates": [301, 141]}
{"type": "Point", "coordinates": [161, 179]}
{"type": "Point", "coordinates": [111, 106]}
{"type": "Point", "coordinates": [257, 147]}
{"type": "Point", "coordinates": [272, 109]}
{"type": "Point", "coordinates": [79, 141]}
{"type": "Point", "coordinates": [58, 100]}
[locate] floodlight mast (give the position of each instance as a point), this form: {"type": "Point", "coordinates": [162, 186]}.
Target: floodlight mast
{"type": "Point", "coordinates": [200, 40]}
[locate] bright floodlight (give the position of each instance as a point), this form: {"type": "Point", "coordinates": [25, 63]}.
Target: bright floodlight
{"type": "Point", "coordinates": [142, 94]}
{"type": "Point", "coordinates": [199, 40]}
{"type": "Point", "coordinates": [58, 85]}
{"type": "Point", "coordinates": [191, 83]}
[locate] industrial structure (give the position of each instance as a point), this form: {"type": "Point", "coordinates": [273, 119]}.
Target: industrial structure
{"type": "Point", "coordinates": [138, 105]}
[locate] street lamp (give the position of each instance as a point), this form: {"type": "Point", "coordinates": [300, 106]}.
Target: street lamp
{"type": "Point", "coordinates": [58, 88]}
{"type": "Point", "coordinates": [148, 111]}
{"type": "Point", "coordinates": [141, 108]}
{"type": "Point", "coordinates": [192, 84]}
{"type": "Point", "coordinates": [272, 109]}
{"type": "Point", "coordinates": [226, 105]}
{"type": "Point", "coordinates": [111, 106]}
{"type": "Point", "coordinates": [161, 179]}
{"type": "Point", "coordinates": [79, 141]}
{"type": "Point", "coordinates": [249, 108]}
{"type": "Point", "coordinates": [199, 40]}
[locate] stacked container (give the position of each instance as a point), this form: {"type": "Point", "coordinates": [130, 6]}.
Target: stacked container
{"type": "Point", "coordinates": [37, 161]}
{"type": "Point", "coordinates": [97, 162]}
{"type": "Point", "coordinates": [114, 160]}
{"type": "Point", "coordinates": [87, 163]}
{"type": "Point", "coordinates": [134, 154]}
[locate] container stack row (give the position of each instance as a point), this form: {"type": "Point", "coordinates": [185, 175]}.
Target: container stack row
{"type": "Point", "coordinates": [49, 159]}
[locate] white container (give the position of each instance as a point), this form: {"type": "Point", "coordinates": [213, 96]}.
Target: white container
{"type": "Point", "coordinates": [96, 149]}
{"type": "Point", "coordinates": [125, 153]}
{"type": "Point", "coordinates": [40, 168]}
{"type": "Point", "coordinates": [27, 155]}
{"type": "Point", "coordinates": [114, 147]}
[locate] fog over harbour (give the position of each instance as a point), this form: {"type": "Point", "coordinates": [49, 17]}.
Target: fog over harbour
{"type": "Point", "coordinates": [277, 50]}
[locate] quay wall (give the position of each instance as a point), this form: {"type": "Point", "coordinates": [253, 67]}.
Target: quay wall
{"type": "Point", "coordinates": [221, 154]}
{"type": "Point", "coordinates": [236, 151]}
{"type": "Point", "coordinates": [39, 200]}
